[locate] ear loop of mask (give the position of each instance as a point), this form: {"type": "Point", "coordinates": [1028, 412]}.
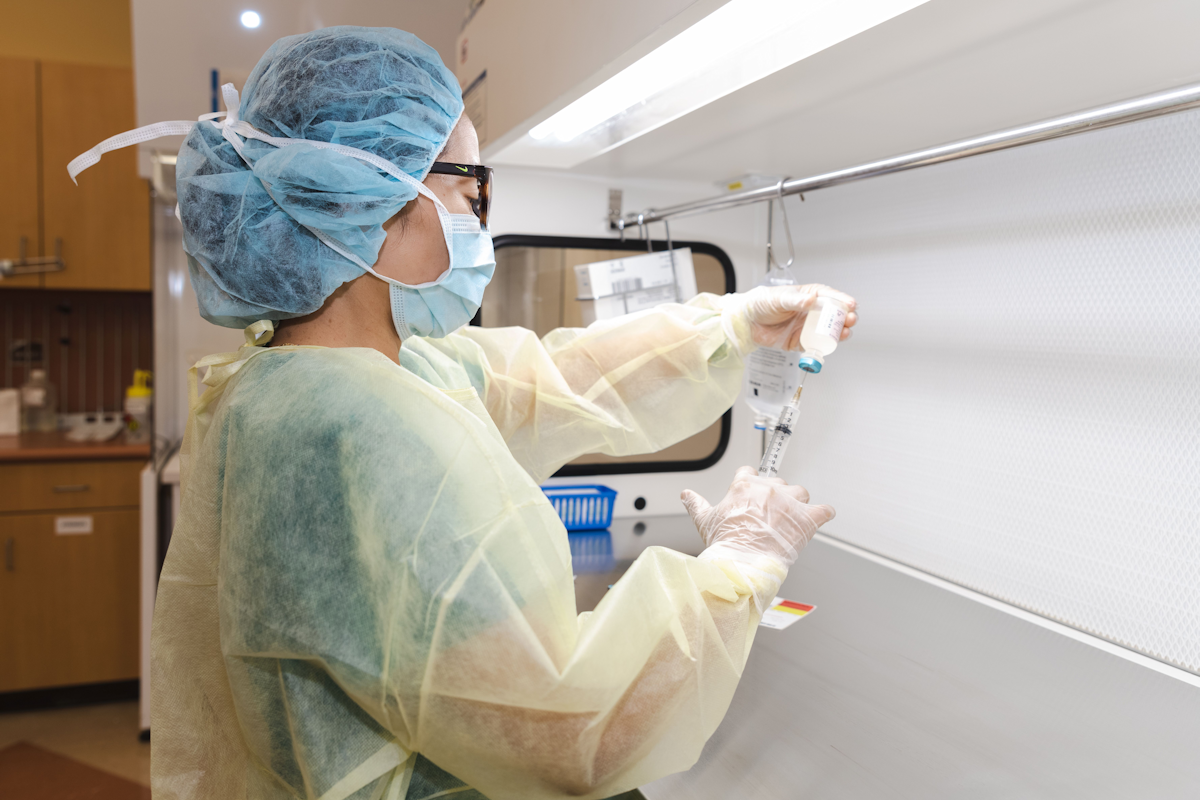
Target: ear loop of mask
{"type": "Point", "coordinates": [444, 218]}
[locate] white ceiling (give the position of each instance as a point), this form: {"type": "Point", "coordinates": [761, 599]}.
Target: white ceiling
{"type": "Point", "coordinates": [944, 71]}
{"type": "Point", "coordinates": [177, 44]}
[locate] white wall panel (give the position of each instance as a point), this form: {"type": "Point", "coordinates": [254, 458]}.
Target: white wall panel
{"type": "Point", "coordinates": [1019, 411]}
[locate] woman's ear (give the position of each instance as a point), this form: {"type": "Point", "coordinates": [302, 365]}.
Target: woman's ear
{"type": "Point", "coordinates": [414, 251]}
{"type": "Point", "coordinates": [398, 220]}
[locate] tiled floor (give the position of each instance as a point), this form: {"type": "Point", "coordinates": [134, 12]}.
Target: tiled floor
{"type": "Point", "coordinates": [104, 737]}
{"type": "Point", "coordinates": [30, 772]}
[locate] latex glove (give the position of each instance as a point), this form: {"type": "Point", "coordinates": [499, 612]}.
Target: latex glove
{"type": "Point", "coordinates": [776, 313]}
{"type": "Point", "coordinates": [758, 517]}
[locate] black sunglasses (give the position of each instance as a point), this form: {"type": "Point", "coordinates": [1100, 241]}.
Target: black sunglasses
{"type": "Point", "coordinates": [482, 176]}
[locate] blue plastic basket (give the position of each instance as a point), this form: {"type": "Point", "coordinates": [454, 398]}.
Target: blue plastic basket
{"type": "Point", "coordinates": [586, 507]}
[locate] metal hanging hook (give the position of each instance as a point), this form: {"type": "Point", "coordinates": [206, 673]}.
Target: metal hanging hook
{"type": "Point", "coordinates": [671, 256]}
{"type": "Point", "coordinates": [787, 228]}
{"type": "Point", "coordinates": [770, 227]}
{"type": "Point", "coordinates": [643, 233]}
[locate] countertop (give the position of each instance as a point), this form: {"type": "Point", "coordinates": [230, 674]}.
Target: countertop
{"type": "Point", "coordinates": [630, 536]}
{"type": "Point", "coordinates": [56, 447]}
{"type": "Point", "coordinates": [896, 687]}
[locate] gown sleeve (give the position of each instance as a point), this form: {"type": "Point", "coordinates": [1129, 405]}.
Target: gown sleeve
{"type": "Point", "coordinates": [635, 384]}
{"type": "Point", "coordinates": [387, 572]}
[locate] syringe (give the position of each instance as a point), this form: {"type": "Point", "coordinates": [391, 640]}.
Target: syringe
{"type": "Point", "coordinates": [773, 456]}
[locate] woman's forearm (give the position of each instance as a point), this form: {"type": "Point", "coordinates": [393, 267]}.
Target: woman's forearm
{"type": "Point", "coordinates": [653, 672]}
{"type": "Point", "coordinates": [619, 387]}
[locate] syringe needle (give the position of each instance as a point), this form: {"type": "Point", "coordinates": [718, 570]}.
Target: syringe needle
{"type": "Point", "coordinates": [796, 397]}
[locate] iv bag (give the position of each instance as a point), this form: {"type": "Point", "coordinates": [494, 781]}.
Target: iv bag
{"type": "Point", "coordinates": [772, 375]}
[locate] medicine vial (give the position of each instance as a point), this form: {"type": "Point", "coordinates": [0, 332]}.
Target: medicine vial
{"type": "Point", "coordinates": [821, 332]}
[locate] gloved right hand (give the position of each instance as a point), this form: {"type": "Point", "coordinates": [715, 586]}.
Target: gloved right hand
{"type": "Point", "coordinates": [759, 516]}
{"type": "Point", "coordinates": [776, 313]}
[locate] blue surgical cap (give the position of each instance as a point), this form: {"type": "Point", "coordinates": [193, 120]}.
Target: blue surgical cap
{"type": "Point", "coordinates": [247, 230]}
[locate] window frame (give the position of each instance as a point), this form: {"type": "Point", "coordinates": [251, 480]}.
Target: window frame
{"type": "Point", "coordinates": [634, 246]}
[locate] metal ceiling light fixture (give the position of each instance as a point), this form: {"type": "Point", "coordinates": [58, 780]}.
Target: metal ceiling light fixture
{"type": "Point", "coordinates": [741, 42]}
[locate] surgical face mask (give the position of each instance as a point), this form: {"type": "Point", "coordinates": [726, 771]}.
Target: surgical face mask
{"type": "Point", "coordinates": [444, 305]}
{"type": "Point", "coordinates": [436, 308]}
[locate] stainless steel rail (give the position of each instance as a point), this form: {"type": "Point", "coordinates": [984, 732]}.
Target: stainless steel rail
{"type": "Point", "coordinates": [1152, 105]}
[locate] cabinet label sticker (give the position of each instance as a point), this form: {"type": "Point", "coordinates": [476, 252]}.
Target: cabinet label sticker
{"type": "Point", "coordinates": [73, 526]}
{"type": "Point", "coordinates": [783, 613]}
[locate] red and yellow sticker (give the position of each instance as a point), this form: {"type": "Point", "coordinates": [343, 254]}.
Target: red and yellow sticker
{"type": "Point", "coordinates": [783, 613]}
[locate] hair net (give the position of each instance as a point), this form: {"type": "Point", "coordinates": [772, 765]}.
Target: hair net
{"type": "Point", "coordinates": [246, 229]}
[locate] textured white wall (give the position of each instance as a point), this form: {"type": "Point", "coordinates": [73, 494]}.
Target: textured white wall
{"type": "Point", "coordinates": [1020, 409]}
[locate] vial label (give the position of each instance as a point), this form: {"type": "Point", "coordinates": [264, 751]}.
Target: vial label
{"type": "Point", "coordinates": [831, 321]}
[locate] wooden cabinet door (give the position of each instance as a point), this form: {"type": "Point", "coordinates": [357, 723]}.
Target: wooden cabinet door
{"type": "Point", "coordinates": [104, 222]}
{"type": "Point", "coordinates": [56, 486]}
{"type": "Point", "coordinates": [68, 602]}
{"type": "Point", "coordinates": [19, 165]}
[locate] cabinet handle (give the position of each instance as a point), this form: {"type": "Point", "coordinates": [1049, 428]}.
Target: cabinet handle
{"type": "Point", "coordinates": [72, 487]}
{"type": "Point", "coordinates": [10, 556]}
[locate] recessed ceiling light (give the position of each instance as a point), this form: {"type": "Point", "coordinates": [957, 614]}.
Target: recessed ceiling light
{"type": "Point", "coordinates": [741, 42]}
{"type": "Point", "coordinates": [251, 19]}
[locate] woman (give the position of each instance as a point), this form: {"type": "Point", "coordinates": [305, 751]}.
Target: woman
{"type": "Point", "coordinates": [366, 594]}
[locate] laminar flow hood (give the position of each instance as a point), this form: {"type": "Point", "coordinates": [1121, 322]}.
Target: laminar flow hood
{"type": "Point", "coordinates": [708, 90]}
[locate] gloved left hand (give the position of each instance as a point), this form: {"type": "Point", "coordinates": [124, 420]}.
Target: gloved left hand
{"type": "Point", "coordinates": [759, 516]}
{"type": "Point", "coordinates": [776, 313]}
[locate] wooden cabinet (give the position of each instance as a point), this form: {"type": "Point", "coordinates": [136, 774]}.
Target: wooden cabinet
{"type": "Point", "coordinates": [19, 209]}
{"type": "Point", "coordinates": [69, 579]}
{"type": "Point", "coordinates": [55, 112]}
{"type": "Point", "coordinates": [104, 222]}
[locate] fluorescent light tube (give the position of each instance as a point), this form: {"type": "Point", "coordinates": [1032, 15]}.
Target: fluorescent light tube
{"type": "Point", "coordinates": [736, 45]}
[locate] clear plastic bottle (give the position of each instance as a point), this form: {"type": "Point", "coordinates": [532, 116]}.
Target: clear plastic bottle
{"type": "Point", "coordinates": [821, 332]}
{"type": "Point", "coordinates": [39, 403]}
{"type": "Point", "coordinates": [139, 401]}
